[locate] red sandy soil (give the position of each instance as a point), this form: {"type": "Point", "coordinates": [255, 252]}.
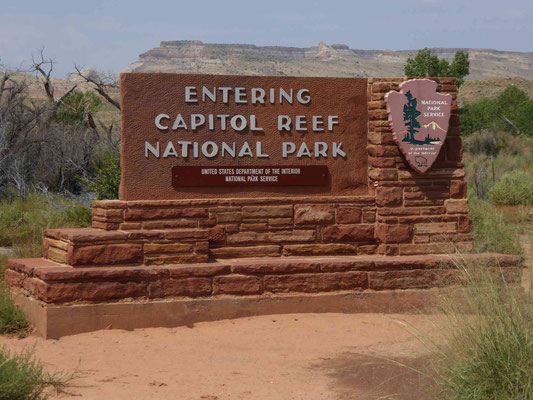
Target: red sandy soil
{"type": "Point", "coordinates": [286, 357]}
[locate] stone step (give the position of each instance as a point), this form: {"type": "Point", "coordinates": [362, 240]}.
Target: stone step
{"type": "Point", "coordinates": [89, 246]}
{"type": "Point", "coordinates": [57, 283]}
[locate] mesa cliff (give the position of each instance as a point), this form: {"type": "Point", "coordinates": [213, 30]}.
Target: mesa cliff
{"type": "Point", "coordinates": [194, 56]}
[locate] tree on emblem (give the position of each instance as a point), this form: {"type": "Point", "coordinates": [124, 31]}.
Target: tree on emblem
{"type": "Point", "coordinates": [410, 117]}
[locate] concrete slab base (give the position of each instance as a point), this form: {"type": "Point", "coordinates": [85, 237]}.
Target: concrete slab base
{"type": "Point", "coordinates": [55, 321]}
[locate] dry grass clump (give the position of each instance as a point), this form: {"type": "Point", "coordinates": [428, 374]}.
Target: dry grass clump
{"type": "Point", "coordinates": [486, 348]}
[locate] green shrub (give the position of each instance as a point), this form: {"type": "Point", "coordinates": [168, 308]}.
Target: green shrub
{"type": "Point", "coordinates": [492, 232]}
{"type": "Point", "coordinates": [486, 348]}
{"type": "Point", "coordinates": [12, 318]}
{"type": "Point", "coordinates": [515, 188]}
{"type": "Point", "coordinates": [23, 220]}
{"type": "Point", "coordinates": [22, 377]}
{"type": "Point", "coordinates": [107, 181]}
{"type": "Point", "coordinates": [76, 106]}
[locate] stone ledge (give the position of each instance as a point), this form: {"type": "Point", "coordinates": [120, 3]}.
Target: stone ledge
{"type": "Point", "coordinates": [57, 283]}
{"type": "Point", "coordinates": [53, 321]}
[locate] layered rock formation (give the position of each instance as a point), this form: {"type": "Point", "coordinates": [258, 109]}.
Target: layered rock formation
{"type": "Point", "coordinates": [324, 60]}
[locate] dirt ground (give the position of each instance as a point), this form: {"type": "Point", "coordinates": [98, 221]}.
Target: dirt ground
{"type": "Point", "coordinates": [286, 357]}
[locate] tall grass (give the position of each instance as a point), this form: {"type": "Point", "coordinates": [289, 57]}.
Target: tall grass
{"type": "Point", "coordinates": [494, 230]}
{"type": "Point", "coordinates": [22, 223]}
{"type": "Point", "coordinates": [22, 377]}
{"type": "Point", "coordinates": [12, 319]}
{"type": "Point", "coordinates": [488, 339]}
{"type": "Point", "coordinates": [23, 220]}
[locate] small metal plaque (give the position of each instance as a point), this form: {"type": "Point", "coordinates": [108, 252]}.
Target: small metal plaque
{"type": "Point", "coordinates": [195, 176]}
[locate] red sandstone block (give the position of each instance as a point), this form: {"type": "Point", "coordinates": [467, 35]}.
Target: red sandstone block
{"type": "Point", "coordinates": [272, 237]}
{"type": "Point", "coordinates": [348, 233]}
{"type": "Point", "coordinates": [375, 105]}
{"type": "Point", "coordinates": [187, 234]}
{"type": "Point", "coordinates": [382, 151]}
{"type": "Point", "coordinates": [427, 248]}
{"type": "Point", "coordinates": [377, 115]}
{"type": "Point", "coordinates": [144, 235]}
{"type": "Point", "coordinates": [190, 287]}
{"type": "Point", "coordinates": [201, 247]}
{"type": "Point", "coordinates": [276, 222]}
{"type": "Point", "coordinates": [317, 249]}
{"type": "Point", "coordinates": [82, 235]}
{"type": "Point", "coordinates": [280, 266]}
{"type": "Point", "coordinates": [388, 196]}
{"type": "Point", "coordinates": [195, 270]}
{"type": "Point", "coordinates": [368, 249]}
{"type": "Point", "coordinates": [373, 125]}
{"type": "Point", "coordinates": [383, 174]}
{"type": "Point", "coordinates": [457, 206]}
{"type": "Point", "coordinates": [232, 228]}
{"type": "Point", "coordinates": [223, 218]}
{"type": "Point", "coordinates": [217, 234]}
{"type": "Point", "coordinates": [314, 283]}
{"type": "Point", "coordinates": [393, 233]}
{"type": "Point", "coordinates": [172, 224]}
{"type": "Point", "coordinates": [381, 87]}
{"type": "Point", "coordinates": [398, 211]}
{"type": "Point", "coordinates": [60, 244]}
{"type": "Point", "coordinates": [314, 214]}
{"type": "Point", "coordinates": [85, 291]}
{"type": "Point", "coordinates": [254, 226]}
{"type": "Point", "coordinates": [176, 259]}
{"type": "Point", "coordinates": [377, 96]}
{"type": "Point", "coordinates": [458, 189]}
{"type": "Point", "coordinates": [249, 251]}
{"type": "Point", "coordinates": [164, 213]}
{"type": "Point", "coordinates": [369, 217]}
{"type": "Point", "coordinates": [158, 248]}
{"type": "Point", "coordinates": [126, 226]}
{"type": "Point", "coordinates": [13, 278]}
{"type": "Point", "coordinates": [58, 255]}
{"type": "Point", "coordinates": [413, 279]}
{"type": "Point", "coordinates": [437, 210]}
{"type": "Point", "coordinates": [382, 162]}
{"type": "Point", "coordinates": [106, 254]}
{"type": "Point", "coordinates": [436, 227]}
{"type": "Point", "coordinates": [388, 249]}
{"type": "Point", "coordinates": [237, 284]}
{"type": "Point", "coordinates": [421, 238]}
{"type": "Point", "coordinates": [414, 196]}
{"type": "Point", "coordinates": [348, 215]}
{"type": "Point", "coordinates": [344, 264]}
{"type": "Point", "coordinates": [267, 211]}
{"type": "Point", "coordinates": [207, 223]}
{"type": "Point", "coordinates": [106, 226]}
{"type": "Point", "coordinates": [464, 224]}
{"type": "Point", "coordinates": [107, 212]}
{"type": "Point", "coordinates": [419, 203]}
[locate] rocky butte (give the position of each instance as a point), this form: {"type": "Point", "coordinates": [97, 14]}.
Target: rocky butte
{"type": "Point", "coordinates": [194, 56]}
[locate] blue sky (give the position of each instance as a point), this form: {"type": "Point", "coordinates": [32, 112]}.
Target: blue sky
{"type": "Point", "coordinates": [109, 35]}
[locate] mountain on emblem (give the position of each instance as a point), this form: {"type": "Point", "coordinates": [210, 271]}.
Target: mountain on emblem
{"type": "Point", "coordinates": [419, 117]}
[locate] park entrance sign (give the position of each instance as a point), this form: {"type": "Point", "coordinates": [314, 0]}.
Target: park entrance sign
{"type": "Point", "coordinates": [198, 136]}
{"type": "Point", "coordinates": [255, 195]}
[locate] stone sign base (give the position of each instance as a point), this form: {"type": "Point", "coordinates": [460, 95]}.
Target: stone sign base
{"type": "Point", "coordinates": [62, 299]}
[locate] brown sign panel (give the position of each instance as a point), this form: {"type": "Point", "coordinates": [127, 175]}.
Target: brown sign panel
{"type": "Point", "coordinates": [306, 175]}
{"type": "Point", "coordinates": [217, 121]}
{"type": "Point", "coordinates": [419, 117]}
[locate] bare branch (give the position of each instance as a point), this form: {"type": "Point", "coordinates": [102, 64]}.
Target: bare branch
{"type": "Point", "coordinates": [45, 67]}
{"type": "Point", "coordinates": [100, 85]}
{"type": "Point", "coordinates": [66, 94]}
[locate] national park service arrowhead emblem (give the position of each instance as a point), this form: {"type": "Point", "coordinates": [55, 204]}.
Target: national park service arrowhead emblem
{"type": "Point", "coordinates": [419, 117]}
